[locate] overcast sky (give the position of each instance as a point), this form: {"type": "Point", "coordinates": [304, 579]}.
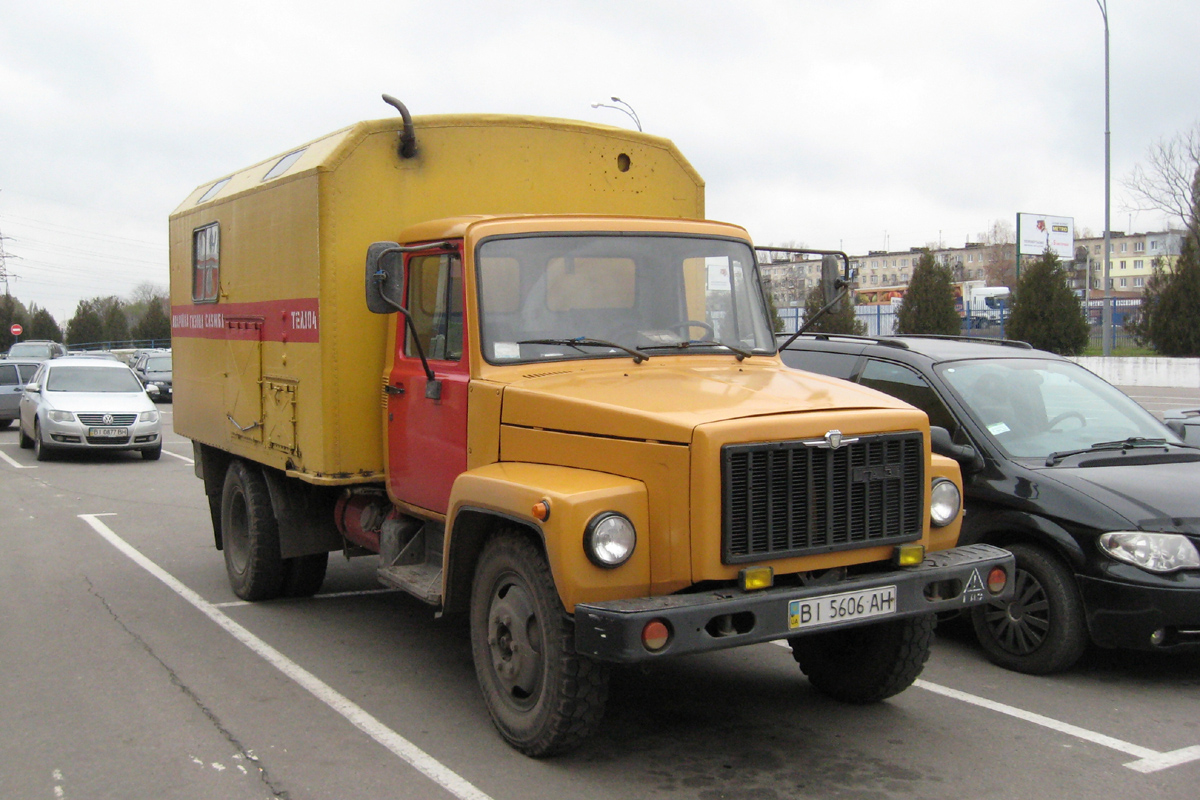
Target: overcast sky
{"type": "Point", "coordinates": [854, 124]}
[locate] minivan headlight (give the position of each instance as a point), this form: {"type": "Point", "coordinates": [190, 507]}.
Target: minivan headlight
{"type": "Point", "coordinates": [945, 502]}
{"type": "Point", "coordinates": [1155, 552]}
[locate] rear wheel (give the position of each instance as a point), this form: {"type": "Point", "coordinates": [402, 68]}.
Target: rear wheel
{"type": "Point", "coordinates": [869, 663]}
{"type": "Point", "coordinates": [544, 698]}
{"type": "Point", "coordinates": [303, 575]}
{"type": "Point", "coordinates": [1042, 629]}
{"type": "Point", "coordinates": [4, 423]}
{"type": "Point", "coordinates": [250, 535]}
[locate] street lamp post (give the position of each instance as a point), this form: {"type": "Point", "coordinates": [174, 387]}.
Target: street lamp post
{"type": "Point", "coordinates": [624, 108]}
{"type": "Point", "coordinates": [1106, 323]}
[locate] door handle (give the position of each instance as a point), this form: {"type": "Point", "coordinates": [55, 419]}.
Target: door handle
{"type": "Point", "coordinates": [393, 389]}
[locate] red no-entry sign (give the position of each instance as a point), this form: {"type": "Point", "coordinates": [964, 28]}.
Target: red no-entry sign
{"type": "Point", "coordinates": [16, 329]}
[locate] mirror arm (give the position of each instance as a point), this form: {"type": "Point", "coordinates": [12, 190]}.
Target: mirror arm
{"type": "Point", "coordinates": [845, 285]}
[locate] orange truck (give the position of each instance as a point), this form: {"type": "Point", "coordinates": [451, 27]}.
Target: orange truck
{"type": "Point", "coordinates": [510, 359]}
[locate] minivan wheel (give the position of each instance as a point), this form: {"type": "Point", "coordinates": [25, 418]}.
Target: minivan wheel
{"type": "Point", "coordinates": [1042, 629]}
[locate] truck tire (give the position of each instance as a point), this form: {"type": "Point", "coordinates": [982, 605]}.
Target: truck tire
{"type": "Point", "coordinates": [869, 663]}
{"type": "Point", "coordinates": [543, 697]}
{"type": "Point", "coordinates": [1043, 628]}
{"type": "Point", "coordinates": [249, 534]}
{"type": "Point", "coordinates": [303, 575]}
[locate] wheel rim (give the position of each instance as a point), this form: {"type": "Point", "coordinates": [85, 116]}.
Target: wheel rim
{"type": "Point", "coordinates": [515, 642]}
{"type": "Point", "coordinates": [236, 537]}
{"type": "Point", "coordinates": [1021, 625]}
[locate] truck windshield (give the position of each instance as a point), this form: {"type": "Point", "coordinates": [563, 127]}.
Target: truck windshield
{"type": "Point", "coordinates": [602, 296]}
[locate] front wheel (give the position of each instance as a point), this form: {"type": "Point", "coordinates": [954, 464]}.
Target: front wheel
{"type": "Point", "coordinates": [869, 663]}
{"type": "Point", "coordinates": [543, 697]}
{"type": "Point", "coordinates": [250, 534]}
{"type": "Point", "coordinates": [23, 440]}
{"type": "Point", "coordinates": [41, 450]}
{"type": "Point", "coordinates": [1042, 629]}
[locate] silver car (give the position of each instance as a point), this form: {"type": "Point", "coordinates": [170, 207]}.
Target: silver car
{"type": "Point", "coordinates": [14, 374]}
{"type": "Point", "coordinates": [84, 403]}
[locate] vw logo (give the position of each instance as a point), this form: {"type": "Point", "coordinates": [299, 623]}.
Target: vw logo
{"type": "Point", "coordinates": [108, 420]}
{"type": "Point", "coordinates": [833, 439]}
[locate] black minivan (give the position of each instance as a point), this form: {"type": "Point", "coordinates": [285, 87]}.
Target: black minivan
{"type": "Point", "coordinates": [1098, 500]}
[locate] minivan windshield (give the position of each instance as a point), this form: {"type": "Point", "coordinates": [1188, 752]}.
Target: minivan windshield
{"type": "Point", "coordinates": [555, 297]}
{"type": "Point", "coordinates": [1035, 407]}
{"type": "Point", "coordinates": [92, 379]}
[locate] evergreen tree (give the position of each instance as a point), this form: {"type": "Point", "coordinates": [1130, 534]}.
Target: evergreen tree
{"type": "Point", "coordinates": [116, 324]}
{"type": "Point", "coordinates": [86, 327]}
{"type": "Point", "coordinates": [154, 324]}
{"type": "Point", "coordinates": [42, 324]}
{"type": "Point", "coordinates": [928, 305]}
{"type": "Point", "coordinates": [839, 319]}
{"type": "Point", "coordinates": [12, 310]}
{"type": "Point", "coordinates": [1169, 319]}
{"type": "Point", "coordinates": [1045, 312]}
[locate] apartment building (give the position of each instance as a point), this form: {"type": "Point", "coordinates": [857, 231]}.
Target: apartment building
{"type": "Point", "coordinates": [1131, 259]}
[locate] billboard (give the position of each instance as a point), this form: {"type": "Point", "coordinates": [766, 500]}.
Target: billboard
{"type": "Point", "coordinates": [1036, 232]}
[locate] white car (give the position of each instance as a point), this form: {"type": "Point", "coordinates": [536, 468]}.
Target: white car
{"type": "Point", "coordinates": [82, 403]}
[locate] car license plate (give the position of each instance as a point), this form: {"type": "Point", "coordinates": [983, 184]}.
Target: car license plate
{"type": "Point", "coordinates": [813, 612]}
{"type": "Point", "coordinates": [108, 433]}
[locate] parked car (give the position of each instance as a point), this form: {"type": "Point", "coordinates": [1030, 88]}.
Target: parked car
{"type": "Point", "coordinates": [14, 374]}
{"type": "Point", "coordinates": [1098, 500]}
{"type": "Point", "coordinates": [37, 349]}
{"type": "Point", "coordinates": [154, 370]}
{"type": "Point", "coordinates": [83, 403]}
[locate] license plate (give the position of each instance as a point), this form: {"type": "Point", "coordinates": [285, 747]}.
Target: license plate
{"type": "Point", "coordinates": [108, 433]}
{"type": "Point", "coordinates": [814, 612]}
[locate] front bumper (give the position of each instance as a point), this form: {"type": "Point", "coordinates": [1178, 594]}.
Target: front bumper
{"type": "Point", "coordinates": [948, 580]}
{"type": "Point", "coordinates": [139, 436]}
{"type": "Point", "coordinates": [1127, 615]}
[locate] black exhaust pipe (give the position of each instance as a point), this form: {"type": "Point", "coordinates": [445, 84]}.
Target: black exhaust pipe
{"type": "Point", "coordinates": [408, 139]}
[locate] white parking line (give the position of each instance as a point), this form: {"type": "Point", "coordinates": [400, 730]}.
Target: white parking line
{"type": "Point", "coordinates": [167, 452]}
{"type": "Point", "coordinates": [1148, 760]}
{"type": "Point", "coordinates": [15, 464]}
{"type": "Point", "coordinates": [397, 744]}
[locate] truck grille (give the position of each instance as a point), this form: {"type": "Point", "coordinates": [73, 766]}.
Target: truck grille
{"type": "Point", "coordinates": [783, 499]}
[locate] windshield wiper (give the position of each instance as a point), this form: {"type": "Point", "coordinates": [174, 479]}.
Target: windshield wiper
{"type": "Point", "coordinates": [1131, 443]}
{"type": "Point", "coordinates": [741, 354]}
{"type": "Point", "coordinates": [580, 342]}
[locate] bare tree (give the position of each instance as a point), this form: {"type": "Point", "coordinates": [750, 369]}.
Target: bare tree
{"type": "Point", "coordinates": [1001, 254]}
{"type": "Point", "coordinates": [1167, 182]}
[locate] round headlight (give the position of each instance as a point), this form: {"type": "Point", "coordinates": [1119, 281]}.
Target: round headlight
{"type": "Point", "coordinates": [609, 539]}
{"type": "Point", "coordinates": [945, 501]}
{"type": "Point", "coordinates": [1156, 552]}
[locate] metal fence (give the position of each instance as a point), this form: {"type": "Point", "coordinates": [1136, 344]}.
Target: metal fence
{"type": "Point", "coordinates": [880, 320]}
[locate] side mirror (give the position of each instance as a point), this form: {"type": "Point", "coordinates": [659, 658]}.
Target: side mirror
{"type": "Point", "coordinates": [830, 277]}
{"type": "Point", "coordinates": [385, 277]}
{"type": "Point", "coordinates": [33, 387]}
{"type": "Point", "coordinates": [968, 457]}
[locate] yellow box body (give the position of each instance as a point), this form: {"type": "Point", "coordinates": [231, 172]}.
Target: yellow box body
{"type": "Point", "coordinates": [301, 391]}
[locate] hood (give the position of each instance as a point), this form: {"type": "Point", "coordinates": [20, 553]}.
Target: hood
{"type": "Point", "coordinates": [666, 399]}
{"type": "Point", "coordinates": [1152, 497]}
{"type": "Point", "coordinates": [99, 402]}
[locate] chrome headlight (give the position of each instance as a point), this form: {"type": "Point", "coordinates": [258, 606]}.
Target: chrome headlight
{"type": "Point", "coordinates": [148, 416]}
{"type": "Point", "coordinates": [60, 416]}
{"type": "Point", "coordinates": [1156, 552]}
{"type": "Point", "coordinates": [945, 502]}
{"type": "Point", "coordinates": [609, 539]}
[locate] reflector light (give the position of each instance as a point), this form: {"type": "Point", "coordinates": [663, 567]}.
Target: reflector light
{"type": "Point", "coordinates": [541, 510]}
{"type": "Point", "coordinates": [909, 555]}
{"type": "Point", "coordinates": [752, 578]}
{"type": "Point", "coordinates": [997, 579]}
{"type": "Point", "coordinates": [655, 635]}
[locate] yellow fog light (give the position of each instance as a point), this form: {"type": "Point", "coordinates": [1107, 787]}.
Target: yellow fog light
{"type": "Point", "coordinates": [752, 578]}
{"type": "Point", "coordinates": [909, 555]}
